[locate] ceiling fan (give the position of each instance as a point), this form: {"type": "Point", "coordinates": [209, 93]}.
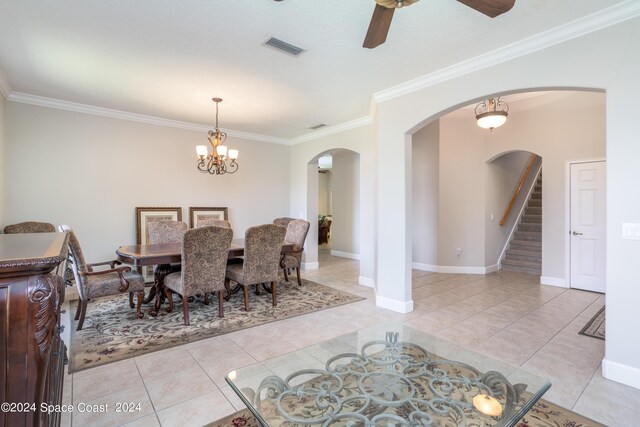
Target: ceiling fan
{"type": "Point", "coordinates": [382, 14]}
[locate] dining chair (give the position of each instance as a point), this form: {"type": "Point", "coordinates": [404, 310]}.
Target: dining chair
{"type": "Point", "coordinates": [208, 222]}
{"type": "Point", "coordinates": [166, 231]}
{"type": "Point", "coordinates": [204, 260]}
{"type": "Point", "coordinates": [262, 247]}
{"type": "Point", "coordinates": [94, 284]}
{"type": "Point", "coordinates": [283, 221]}
{"type": "Point", "coordinates": [30, 227]}
{"type": "Point", "coordinates": [296, 234]}
{"type": "Point", "coordinates": [67, 272]}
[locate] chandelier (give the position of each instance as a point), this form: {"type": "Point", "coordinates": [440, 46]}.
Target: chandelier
{"type": "Point", "coordinates": [492, 113]}
{"type": "Point", "coordinates": [216, 162]}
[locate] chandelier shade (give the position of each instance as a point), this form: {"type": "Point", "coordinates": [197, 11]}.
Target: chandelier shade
{"type": "Point", "coordinates": [491, 113]}
{"type": "Point", "coordinates": [221, 160]}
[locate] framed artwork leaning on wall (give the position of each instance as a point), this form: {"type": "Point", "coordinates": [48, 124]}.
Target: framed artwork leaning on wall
{"type": "Point", "coordinates": [199, 213]}
{"type": "Point", "coordinates": [145, 215]}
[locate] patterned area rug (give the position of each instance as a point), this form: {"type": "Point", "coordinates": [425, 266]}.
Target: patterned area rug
{"type": "Point", "coordinates": [595, 327]}
{"type": "Point", "coordinates": [543, 414]}
{"type": "Point", "coordinates": [111, 331]}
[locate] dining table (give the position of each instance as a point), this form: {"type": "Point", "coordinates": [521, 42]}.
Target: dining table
{"type": "Point", "coordinates": [162, 255]}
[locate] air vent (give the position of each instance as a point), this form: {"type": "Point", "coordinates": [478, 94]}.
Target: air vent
{"type": "Point", "coordinates": [321, 125]}
{"type": "Point", "coordinates": [284, 46]}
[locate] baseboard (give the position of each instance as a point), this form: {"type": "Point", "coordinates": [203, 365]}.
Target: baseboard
{"type": "Point", "coordinates": [553, 281]}
{"type": "Point", "coordinates": [394, 305]}
{"type": "Point", "coordinates": [310, 265]}
{"type": "Point", "coordinates": [618, 372]}
{"type": "Point", "coordinates": [454, 268]}
{"type": "Point", "coordinates": [366, 281]}
{"type": "Point", "coordinates": [345, 255]}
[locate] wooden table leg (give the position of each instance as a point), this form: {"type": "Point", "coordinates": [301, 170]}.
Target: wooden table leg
{"type": "Point", "coordinates": [161, 271]}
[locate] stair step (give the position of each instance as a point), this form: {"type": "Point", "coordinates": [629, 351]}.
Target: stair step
{"type": "Point", "coordinates": [523, 266]}
{"type": "Point", "coordinates": [533, 211]}
{"type": "Point", "coordinates": [524, 256]}
{"type": "Point", "coordinates": [530, 226]}
{"type": "Point", "coordinates": [532, 219]}
{"type": "Point", "coordinates": [526, 245]}
{"type": "Point", "coordinates": [538, 188]}
{"type": "Point", "coordinates": [536, 195]}
{"type": "Point", "coordinates": [528, 235]}
{"type": "Point", "coordinates": [533, 251]}
{"type": "Point", "coordinates": [535, 203]}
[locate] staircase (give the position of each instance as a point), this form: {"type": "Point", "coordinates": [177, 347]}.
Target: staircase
{"type": "Point", "coordinates": [525, 250]}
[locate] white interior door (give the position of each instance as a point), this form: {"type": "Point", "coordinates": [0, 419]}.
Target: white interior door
{"type": "Point", "coordinates": [588, 226]}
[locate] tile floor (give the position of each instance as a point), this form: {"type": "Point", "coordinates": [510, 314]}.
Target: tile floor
{"type": "Point", "coordinates": [505, 315]}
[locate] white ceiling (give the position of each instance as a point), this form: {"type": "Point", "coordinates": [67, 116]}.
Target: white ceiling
{"type": "Point", "coordinates": [168, 58]}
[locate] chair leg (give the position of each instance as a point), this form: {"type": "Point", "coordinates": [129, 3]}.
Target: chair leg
{"type": "Point", "coordinates": [131, 304]}
{"type": "Point", "coordinates": [139, 306]}
{"type": "Point", "coordinates": [185, 309]}
{"type": "Point", "coordinates": [286, 274]}
{"type": "Point", "coordinates": [206, 298]}
{"type": "Point", "coordinates": [246, 297]}
{"type": "Point", "coordinates": [298, 274]}
{"type": "Point", "coordinates": [220, 304]}
{"type": "Point", "coordinates": [273, 293]}
{"type": "Point", "coordinates": [83, 312]}
{"type": "Point", "coordinates": [167, 294]}
{"type": "Point", "coordinates": [228, 289]}
{"type": "Point", "coordinates": [77, 316]}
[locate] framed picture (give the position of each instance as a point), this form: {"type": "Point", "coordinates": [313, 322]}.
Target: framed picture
{"type": "Point", "coordinates": [146, 215]}
{"type": "Point", "coordinates": [198, 214]}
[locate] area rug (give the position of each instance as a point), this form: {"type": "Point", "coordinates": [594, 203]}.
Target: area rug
{"type": "Point", "coordinates": [595, 327]}
{"type": "Point", "coordinates": [112, 332]}
{"type": "Point", "coordinates": [542, 414]}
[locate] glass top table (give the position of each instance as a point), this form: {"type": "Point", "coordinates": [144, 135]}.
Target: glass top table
{"type": "Point", "coordinates": [387, 375]}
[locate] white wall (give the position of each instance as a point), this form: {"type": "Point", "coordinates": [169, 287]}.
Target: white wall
{"type": "Point", "coordinates": [324, 193]}
{"type": "Point", "coordinates": [606, 59]}
{"type": "Point", "coordinates": [91, 172]}
{"type": "Point", "coordinates": [425, 164]}
{"type": "Point", "coordinates": [345, 230]}
{"type": "Point", "coordinates": [3, 165]}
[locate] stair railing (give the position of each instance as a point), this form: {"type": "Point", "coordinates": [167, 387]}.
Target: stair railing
{"type": "Point", "coordinates": [522, 209]}
{"type": "Point", "coordinates": [525, 174]}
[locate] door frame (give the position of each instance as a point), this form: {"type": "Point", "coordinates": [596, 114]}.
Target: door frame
{"type": "Point", "coordinates": [567, 213]}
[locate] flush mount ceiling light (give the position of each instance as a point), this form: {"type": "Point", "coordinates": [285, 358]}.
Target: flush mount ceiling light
{"type": "Point", "coordinates": [216, 162]}
{"type": "Point", "coordinates": [492, 113]}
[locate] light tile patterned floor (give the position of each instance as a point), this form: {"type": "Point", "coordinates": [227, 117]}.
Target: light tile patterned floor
{"type": "Point", "coordinates": [505, 315]}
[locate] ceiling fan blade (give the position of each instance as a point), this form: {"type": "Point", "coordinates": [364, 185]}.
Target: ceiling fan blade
{"type": "Point", "coordinates": [491, 8]}
{"type": "Point", "coordinates": [378, 27]}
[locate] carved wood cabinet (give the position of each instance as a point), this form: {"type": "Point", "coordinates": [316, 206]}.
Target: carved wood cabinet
{"type": "Point", "coordinates": [32, 355]}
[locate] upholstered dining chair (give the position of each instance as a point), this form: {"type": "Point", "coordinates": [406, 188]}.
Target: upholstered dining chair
{"type": "Point", "coordinates": [284, 221]}
{"type": "Point", "coordinates": [166, 231]}
{"type": "Point", "coordinates": [204, 261]}
{"type": "Point", "coordinates": [30, 227]}
{"type": "Point", "coordinates": [94, 284]}
{"type": "Point", "coordinates": [296, 234]}
{"type": "Point", "coordinates": [262, 247]}
{"type": "Point", "coordinates": [208, 222]}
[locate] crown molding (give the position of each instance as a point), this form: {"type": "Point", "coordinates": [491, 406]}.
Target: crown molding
{"type": "Point", "coordinates": [588, 24]}
{"type": "Point", "coordinates": [5, 86]}
{"type": "Point", "coordinates": [41, 101]}
{"type": "Point", "coordinates": [352, 124]}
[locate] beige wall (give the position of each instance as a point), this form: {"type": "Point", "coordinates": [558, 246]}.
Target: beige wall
{"type": "Point", "coordinates": [425, 167]}
{"type": "Point", "coordinates": [345, 230]}
{"type": "Point", "coordinates": [91, 172]}
{"type": "Point", "coordinates": [324, 193]}
{"type": "Point", "coordinates": [3, 167]}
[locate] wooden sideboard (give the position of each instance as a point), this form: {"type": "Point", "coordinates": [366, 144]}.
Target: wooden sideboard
{"type": "Point", "coordinates": [32, 355]}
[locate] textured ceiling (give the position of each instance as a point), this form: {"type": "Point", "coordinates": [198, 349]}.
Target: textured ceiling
{"type": "Point", "coordinates": [168, 58]}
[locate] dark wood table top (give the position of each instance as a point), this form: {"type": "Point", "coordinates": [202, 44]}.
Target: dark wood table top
{"type": "Point", "coordinates": [169, 253]}
{"type": "Point", "coordinates": [31, 253]}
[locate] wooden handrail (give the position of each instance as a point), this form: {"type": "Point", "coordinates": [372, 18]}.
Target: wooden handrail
{"type": "Point", "coordinates": [525, 174]}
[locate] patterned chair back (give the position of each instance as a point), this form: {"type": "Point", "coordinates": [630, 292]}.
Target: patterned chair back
{"type": "Point", "coordinates": [208, 222]}
{"type": "Point", "coordinates": [297, 234]}
{"type": "Point", "coordinates": [284, 221]}
{"type": "Point", "coordinates": [77, 261]}
{"type": "Point", "coordinates": [262, 248]}
{"type": "Point", "coordinates": [30, 227]}
{"type": "Point", "coordinates": [166, 231]}
{"type": "Point", "coordinates": [204, 259]}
